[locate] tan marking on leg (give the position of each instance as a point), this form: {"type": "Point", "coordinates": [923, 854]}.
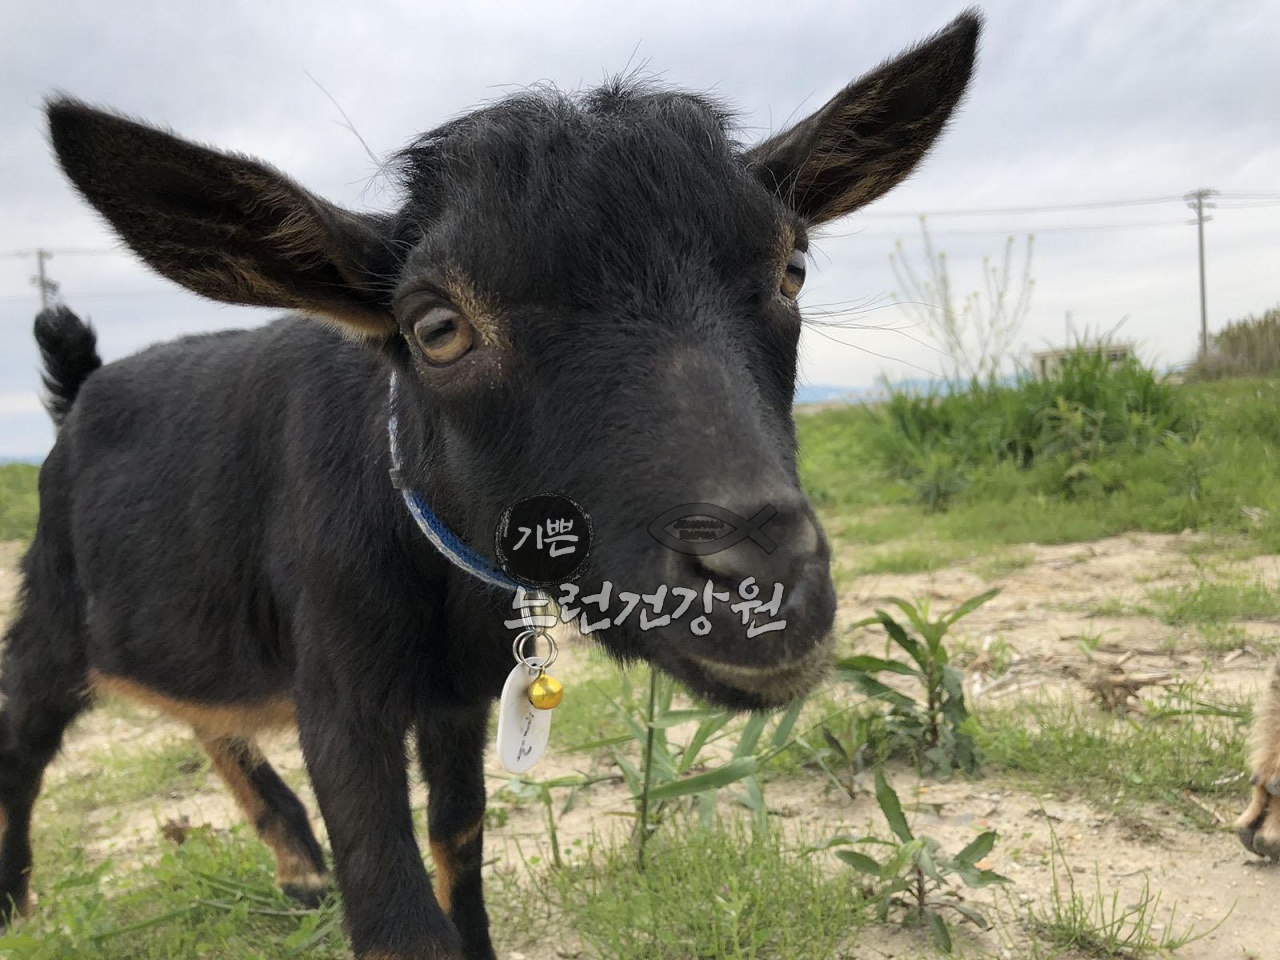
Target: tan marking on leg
{"type": "Point", "coordinates": [443, 852]}
{"type": "Point", "coordinates": [293, 867]}
{"type": "Point", "coordinates": [229, 757]}
{"type": "Point", "coordinates": [442, 882]}
{"type": "Point", "coordinates": [226, 720]}
{"type": "Point", "coordinates": [1265, 752]}
{"type": "Point", "coordinates": [1253, 812]}
{"type": "Point", "coordinates": [1266, 729]}
{"type": "Point", "coordinates": [1261, 823]}
{"type": "Point", "coordinates": [1262, 816]}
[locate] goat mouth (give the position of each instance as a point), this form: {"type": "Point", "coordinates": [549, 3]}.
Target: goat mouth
{"type": "Point", "coordinates": [773, 685]}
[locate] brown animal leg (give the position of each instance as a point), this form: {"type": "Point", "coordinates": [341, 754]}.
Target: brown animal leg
{"type": "Point", "coordinates": [451, 751]}
{"type": "Point", "coordinates": [1259, 825]}
{"type": "Point", "coordinates": [276, 813]}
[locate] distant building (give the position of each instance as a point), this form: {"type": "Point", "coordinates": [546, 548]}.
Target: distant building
{"type": "Point", "coordinates": [1045, 363]}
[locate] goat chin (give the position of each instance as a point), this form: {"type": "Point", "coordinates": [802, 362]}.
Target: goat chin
{"type": "Point", "coordinates": [776, 685]}
{"type": "Point", "coordinates": [736, 685]}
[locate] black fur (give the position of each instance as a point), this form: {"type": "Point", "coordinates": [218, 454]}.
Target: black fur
{"type": "Point", "coordinates": [69, 351]}
{"type": "Point", "coordinates": [217, 523]}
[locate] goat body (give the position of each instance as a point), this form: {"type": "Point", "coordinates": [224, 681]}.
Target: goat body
{"type": "Point", "coordinates": [592, 296]}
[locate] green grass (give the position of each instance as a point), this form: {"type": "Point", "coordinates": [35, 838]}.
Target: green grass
{"type": "Point", "coordinates": [905, 558]}
{"type": "Point", "coordinates": [729, 893]}
{"type": "Point", "coordinates": [18, 501]}
{"type": "Point", "coordinates": [585, 715]}
{"type": "Point", "coordinates": [1224, 479]}
{"type": "Point", "coordinates": [1121, 762]}
{"type": "Point", "coordinates": [839, 470]}
{"type": "Point", "coordinates": [1210, 603]}
{"type": "Point", "coordinates": [116, 775]}
{"type": "Point", "coordinates": [1213, 609]}
{"type": "Point", "coordinates": [1246, 347]}
{"type": "Point", "coordinates": [1225, 638]}
{"type": "Point", "coordinates": [211, 897]}
{"type": "Point", "coordinates": [1216, 470]}
{"type": "Point", "coordinates": [941, 440]}
{"type": "Point", "coordinates": [1095, 922]}
{"type": "Point", "coordinates": [1001, 563]}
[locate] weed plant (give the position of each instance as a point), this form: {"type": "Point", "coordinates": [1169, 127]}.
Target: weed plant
{"type": "Point", "coordinates": [1091, 407]}
{"type": "Point", "coordinates": [1095, 923]}
{"type": "Point", "coordinates": [1243, 348]}
{"type": "Point", "coordinates": [933, 725]}
{"type": "Point", "coordinates": [914, 874]}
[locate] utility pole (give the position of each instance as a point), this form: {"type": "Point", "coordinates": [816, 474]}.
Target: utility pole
{"type": "Point", "coordinates": [48, 288]}
{"type": "Point", "coordinates": [1196, 201]}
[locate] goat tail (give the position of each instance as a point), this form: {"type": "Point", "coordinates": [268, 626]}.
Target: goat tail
{"type": "Point", "coordinates": [69, 349]}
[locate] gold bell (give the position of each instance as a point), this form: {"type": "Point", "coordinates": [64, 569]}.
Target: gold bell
{"type": "Point", "coordinates": [545, 692]}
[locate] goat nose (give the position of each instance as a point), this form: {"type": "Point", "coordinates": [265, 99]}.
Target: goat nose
{"type": "Point", "coordinates": [776, 540]}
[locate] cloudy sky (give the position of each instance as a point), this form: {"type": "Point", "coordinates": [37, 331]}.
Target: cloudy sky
{"type": "Point", "coordinates": [1082, 103]}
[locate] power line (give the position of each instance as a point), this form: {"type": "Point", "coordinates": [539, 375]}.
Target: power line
{"type": "Point", "coordinates": [1248, 204]}
{"type": "Point", "coordinates": [1234, 201]}
{"type": "Point", "coordinates": [1144, 225]}
{"type": "Point", "coordinates": [66, 252]}
{"type": "Point", "coordinates": [107, 294]}
{"type": "Point", "coordinates": [1241, 201]}
{"type": "Point", "coordinates": [1045, 208]}
{"type": "Point", "coordinates": [1261, 198]}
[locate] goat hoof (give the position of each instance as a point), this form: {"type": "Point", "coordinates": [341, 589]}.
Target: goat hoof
{"type": "Point", "coordinates": [1256, 838]}
{"type": "Point", "coordinates": [309, 894]}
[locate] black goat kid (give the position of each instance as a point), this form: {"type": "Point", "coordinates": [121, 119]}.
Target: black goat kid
{"type": "Point", "coordinates": [593, 295]}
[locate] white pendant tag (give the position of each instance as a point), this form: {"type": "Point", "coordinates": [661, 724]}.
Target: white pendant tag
{"type": "Point", "coordinates": [523, 729]}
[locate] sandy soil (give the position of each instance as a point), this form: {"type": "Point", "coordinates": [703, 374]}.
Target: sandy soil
{"type": "Point", "coordinates": [1041, 613]}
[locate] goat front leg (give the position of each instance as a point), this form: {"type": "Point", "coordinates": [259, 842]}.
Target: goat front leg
{"type": "Point", "coordinates": [357, 766]}
{"type": "Point", "coordinates": [451, 750]}
{"type": "Point", "coordinates": [1259, 825]}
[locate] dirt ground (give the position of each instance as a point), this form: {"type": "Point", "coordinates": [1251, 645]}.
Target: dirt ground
{"type": "Point", "coordinates": [1041, 613]}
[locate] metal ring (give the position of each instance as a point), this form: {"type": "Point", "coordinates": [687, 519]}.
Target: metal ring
{"type": "Point", "coordinates": [517, 648]}
{"type": "Point", "coordinates": [530, 612]}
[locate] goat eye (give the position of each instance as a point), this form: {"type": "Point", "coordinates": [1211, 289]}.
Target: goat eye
{"type": "Point", "coordinates": [793, 278]}
{"type": "Point", "coordinates": [443, 335]}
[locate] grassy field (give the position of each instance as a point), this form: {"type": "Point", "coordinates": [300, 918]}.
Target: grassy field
{"type": "Point", "coordinates": [937, 498]}
{"type": "Point", "coordinates": [18, 501]}
{"type": "Point", "coordinates": [874, 481]}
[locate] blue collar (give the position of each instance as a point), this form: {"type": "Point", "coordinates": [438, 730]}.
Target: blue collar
{"type": "Point", "coordinates": [435, 530]}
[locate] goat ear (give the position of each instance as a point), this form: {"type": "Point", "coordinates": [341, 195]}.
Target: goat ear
{"type": "Point", "coordinates": [225, 226]}
{"type": "Point", "coordinates": [871, 135]}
